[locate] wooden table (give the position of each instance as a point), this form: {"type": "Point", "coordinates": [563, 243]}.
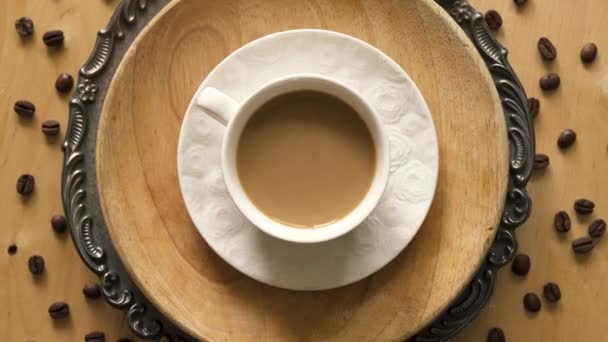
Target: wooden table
{"type": "Point", "coordinates": [28, 71]}
{"type": "Point", "coordinates": [581, 103]}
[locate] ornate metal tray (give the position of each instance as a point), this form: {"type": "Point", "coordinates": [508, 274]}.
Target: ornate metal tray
{"type": "Point", "coordinates": [90, 235]}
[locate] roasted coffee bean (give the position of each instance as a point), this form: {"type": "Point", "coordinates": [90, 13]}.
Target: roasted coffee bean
{"type": "Point", "coordinates": [521, 264]}
{"type": "Point", "coordinates": [12, 250]}
{"type": "Point", "coordinates": [59, 223]}
{"type": "Point", "coordinates": [91, 290]}
{"type": "Point", "coordinates": [520, 2]}
{"type": "Point", "coordinates": [64, 83]}
{"type": "Point", "coordinates": [533, 106]}
{"type": "Point", "coordinates": [51, 128]}
{"type": "Point", "coordinates": [562, 222]}
{"type": "Point", "coordinates": [541, 161]}
{"type": "Point", "coordinates": [25, 108]}
{"type": "Point", "coordinates": [549, 81]}
{"type": "Point", "coordinates": [532, 302]}
{"type": "Point", "coordinates": [24, 26]}
{"type": "Point", "coordinates": [551, 292]}
{"type": "Point", "coordinates": [582, 245]}
{"type": "Point", "coordinates": [496, 335]}
{"type": "Point", "coordinates": [597, 228]}
{"type": "Point", "coordinates": [59, 310]}
{"type": "Point", "coordinates": [493, 19]}
{"type": "Point", "coordinates": [95, 336]}
{"type": "Point", "coordinates": [25, 184]}
{"type": "Point", "coordinates": [53, 38]}
{"type": "Point", "coordinates": [588, 53]}
{"type": "Point", "coordinates": [36, 264]}
{"type": "Point", "coordinates": [546, 49]}
{"type": "Point", "coordinates": [566, 138]}
{"type": "Point", "coordinates": [583, 206]}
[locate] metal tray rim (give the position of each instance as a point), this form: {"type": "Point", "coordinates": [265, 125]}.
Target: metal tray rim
{"type": "Point", "coordinates": [86, 222]}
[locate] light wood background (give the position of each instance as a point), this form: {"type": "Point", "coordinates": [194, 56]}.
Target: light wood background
{"type": "Point", "coordinates": [27, 70]}
{"type": "Point", "coordinates": [581, 103]}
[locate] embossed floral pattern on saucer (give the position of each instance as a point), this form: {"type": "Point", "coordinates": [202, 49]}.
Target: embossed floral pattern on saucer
{"type": "Point", "coordinates": [390, 227]}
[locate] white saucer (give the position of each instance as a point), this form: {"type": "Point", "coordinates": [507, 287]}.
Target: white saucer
{"type": "Point", "coordinates": [390, 227]}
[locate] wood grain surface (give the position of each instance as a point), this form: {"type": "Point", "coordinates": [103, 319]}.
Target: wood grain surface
{"type": "Point", "coordinates": [27, 70]}
{"type": "Point", "coordinates": [149, 224]}
{"type": "Point", "coordinates": [581, 103]}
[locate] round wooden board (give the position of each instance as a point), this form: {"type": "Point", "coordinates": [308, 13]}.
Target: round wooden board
{"type": "Point", "coordinates": [178, 272]}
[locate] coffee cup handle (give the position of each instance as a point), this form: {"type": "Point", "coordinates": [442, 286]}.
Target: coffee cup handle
{"type": "Point", "coordinates": [218, 105]}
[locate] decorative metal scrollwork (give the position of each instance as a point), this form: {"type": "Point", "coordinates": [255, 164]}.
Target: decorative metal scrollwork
{"type": "Point", "coordinates": [521, 156]}
{"type": "Point", "coordinates": [77, 178]}
{"type": "Point", "coordinates": [81, 202]}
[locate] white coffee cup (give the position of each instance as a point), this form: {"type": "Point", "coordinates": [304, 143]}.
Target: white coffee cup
{"type": "Point", "coordinates": [235, 115]}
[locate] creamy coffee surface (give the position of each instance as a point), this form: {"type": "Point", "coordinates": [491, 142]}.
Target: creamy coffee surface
{"type": "Point", "coordinates": [306, 159]}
